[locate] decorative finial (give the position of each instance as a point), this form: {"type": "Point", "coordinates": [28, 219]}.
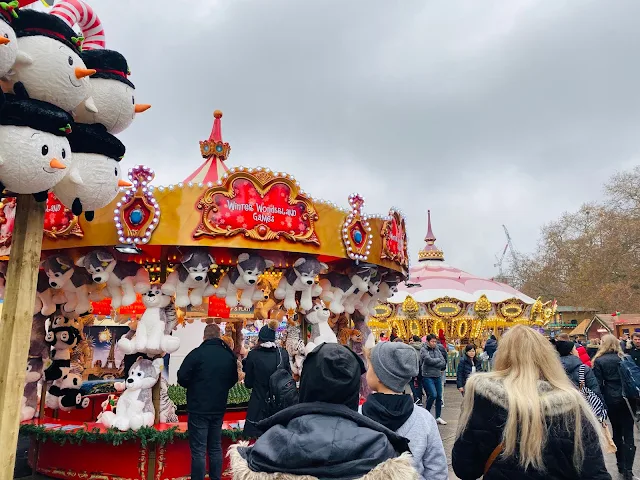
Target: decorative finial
{"type": "Point", "coordinates": [217, 114]}
{"type": "Point", "coordinates": [214, 146]}
{"type": "Point", "coordinates": [430, 251]}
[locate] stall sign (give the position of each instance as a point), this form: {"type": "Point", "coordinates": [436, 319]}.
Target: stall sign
{"type": "Point", "coordinates": [265, 211]}
{"type": "Point", "coordinates": [394, 240]}
{"type": "Point", "coordinates": [59, 221]}
{"type": "Point", "coordinates": [218, 308]}
{"type": "Point", "coordinates": [241, 312]}
{"type": "Point", "coordinates": [136, 308]}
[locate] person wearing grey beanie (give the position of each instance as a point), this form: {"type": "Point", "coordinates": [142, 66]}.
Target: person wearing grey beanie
{"type": "Point", "coordinates": [392, 365]}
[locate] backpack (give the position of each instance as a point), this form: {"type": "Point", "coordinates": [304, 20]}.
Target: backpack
{"type": "Point", "coordinates": [630, 377]}
{"type": "Point", "coordinates": [283, 392]}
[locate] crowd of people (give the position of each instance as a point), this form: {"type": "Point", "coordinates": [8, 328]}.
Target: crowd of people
{"type": "Point", "coordinates": [540, 412]}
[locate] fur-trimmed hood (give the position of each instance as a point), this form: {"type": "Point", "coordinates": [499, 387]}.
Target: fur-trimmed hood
{"type": "Point", "coordinates": [399, 468]}
{"type": "Point", "coordinates": [554, 401]}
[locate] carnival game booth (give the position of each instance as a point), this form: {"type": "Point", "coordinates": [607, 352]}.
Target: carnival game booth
{"type": "Point", "coordinates": [231, 246]}
{"type": "Point", "coordinates": [467, 308]}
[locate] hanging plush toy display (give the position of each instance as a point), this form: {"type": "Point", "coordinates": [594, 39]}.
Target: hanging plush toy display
{"type": "Point", "coordinates": [189, 281]}
{"type": "Point", "coordinates": [49, 65]}
{"type": "Point", "coordinates": [321, 332]}
{"type": "Point", "coordinates": [300, 278]}
{"type": "Point", "coordinates": [34, 150]}
{"type": "Point", "coordinates": [8, 41]}
{"type": "Point", "coordinates": [244, 278]}
{"type": "Point", "coordinates": [94, 180]}
{"type": "Point", "coordinates": [112, 92]}
{"type": "Point", "coordinates": [74, 282]}
{"type": "Point", "coordinates": [123, 279]}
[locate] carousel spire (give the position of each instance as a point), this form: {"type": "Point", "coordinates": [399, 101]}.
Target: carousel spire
{"type": "Point", "coordinates": [215, 152]}
{"type": "Point", "coordinates": [430, 251]}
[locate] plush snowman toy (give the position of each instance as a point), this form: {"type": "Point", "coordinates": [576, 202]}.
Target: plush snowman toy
{"type": "Point", "coordinates": [8, 41]}
{"type": "Point", "coordinates": [113, 93]}
{"type": "Point", "coordinates": [94, 180]}
{"type": "Point", "coordinates": [49, 64]}
{"type": "Point", "coordinates": [34, 149]}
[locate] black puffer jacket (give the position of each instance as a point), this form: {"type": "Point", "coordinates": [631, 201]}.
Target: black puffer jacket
{"type": "Point", "coordinates": [607, 371]}
{"type": "Point", "coordinates": [571, 365]}
{"type": "Point", "coordinates": [465, 368]}
{"type": "Point", "coordinates": [484, 432]}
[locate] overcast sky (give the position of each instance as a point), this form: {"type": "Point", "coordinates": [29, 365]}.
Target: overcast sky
{"type": "Point", "coordinates": [486, 112]}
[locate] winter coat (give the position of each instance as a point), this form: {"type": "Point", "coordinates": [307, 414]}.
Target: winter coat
{"type": "Point", "coordinates": [572, 365]}
{"type": "Point", "coordinates": [418, 347]}
{"type": "Point", "coordinates": [208, 372]}
{"type": "Point", "coordinates": [432, 362]}
{"type": "Point", "coordinates": [465, 368]}
{"type": "Point", "coordinates": [443, 351]}
{"type": "Point", "coordinates": [584, 356]}
{"type": "Point", "coordinates": [490, 347]}
{"type": "Point", "coordinates": [259, 365]}
{"type": "Point", "coordinates": [635, 354]}
{"type": "Point", "coordinates": [607, 370]}
{"type": "Point", "coordinates": [321, 440]}
{"type": "Point", "coordinates": [485, 428]}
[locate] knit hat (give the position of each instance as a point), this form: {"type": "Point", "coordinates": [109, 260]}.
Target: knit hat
{"type": "Point", "coordinates": [564, 347]}
{"type": "Point", "coordinates": [268, 332]}
{"type": "Point", "coordinates": [331, 374]}
{"type": "Point", "coordinates": [395, 364]}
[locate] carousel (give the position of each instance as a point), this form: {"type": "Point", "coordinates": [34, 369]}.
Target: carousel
{"type": "Point", "coordinates": [465, 307]}
{"type": "Point", "coordinates": [102, 276]}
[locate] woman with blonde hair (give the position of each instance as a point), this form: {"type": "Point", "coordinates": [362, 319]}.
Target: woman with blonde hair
{"type": "Point", "coordinates": [606, 367]}
{"type": "Point", "coordinates": [525, 419]}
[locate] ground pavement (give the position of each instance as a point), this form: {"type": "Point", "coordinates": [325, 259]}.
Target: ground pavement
{"type": "Point", "coordinates": [451, 412]}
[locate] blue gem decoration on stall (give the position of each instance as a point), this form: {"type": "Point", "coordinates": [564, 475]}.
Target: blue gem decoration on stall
{"type": "Point", "coordinates": [219, 148]}
{"type": "Point", "coordinates": [206, 148]}
{"type": "Point", "coordinates": [136, 217]}
{"type": "Point", "coordinates": [357, 236]}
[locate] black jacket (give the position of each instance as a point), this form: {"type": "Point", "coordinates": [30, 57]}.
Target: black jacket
{"type": "Point", "coordinates": [258, 367]}
{"type": "Point", "coordinates": [490, 347]}
{"type": "Point", "coordinates": [484, 432]}
{"type": "Point", "coordinates": [571, 365]}
{"type": "Point", "coordinates": [208, 372]}
{"type": "Point", "coordinates": [322, 440]}
{"type": "Point", "coordinates": [464, 370]}
{"type": "Point", "coordinates": [607, 371]}
{"type": "Point", "coordinates": [635, 354]}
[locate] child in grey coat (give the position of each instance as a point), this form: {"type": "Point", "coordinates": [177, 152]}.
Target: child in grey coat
{"type": "Point", "coordinates": [391, 368]}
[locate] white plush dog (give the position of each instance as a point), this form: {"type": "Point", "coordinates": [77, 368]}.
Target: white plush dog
{"type": "Point", "coordinates": [244, 277]}
{"type": "Point", "coordinates": [189, 281]}
{"type": "Point", "coordinates": [321, 332]}
{"type": "Point", "coordinates": [151, 333]}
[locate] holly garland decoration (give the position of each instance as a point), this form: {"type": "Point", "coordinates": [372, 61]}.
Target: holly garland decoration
{"type": "Point", "coordinates": [145, 435]}
{"type": "Point", "coordinates": [237, 395]}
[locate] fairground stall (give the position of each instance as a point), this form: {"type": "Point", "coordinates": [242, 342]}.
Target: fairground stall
{"type": "Point", "coordinates": [238, 247]}
{"type": "Point", "coordinates": [466, 308]}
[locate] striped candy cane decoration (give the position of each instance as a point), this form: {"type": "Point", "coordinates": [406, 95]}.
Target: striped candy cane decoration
{"type": "Point", "coordinates": [77, 12]}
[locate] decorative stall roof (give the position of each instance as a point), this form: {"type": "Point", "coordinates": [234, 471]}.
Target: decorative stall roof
{"type": "Point", "coordinates": [433, 279]}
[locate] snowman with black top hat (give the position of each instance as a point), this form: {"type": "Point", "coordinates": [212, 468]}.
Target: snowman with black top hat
{"type": "Point", "coordinates": [8, 41]}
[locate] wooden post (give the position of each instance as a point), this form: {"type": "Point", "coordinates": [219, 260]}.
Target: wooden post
{"type": "Point", "coordinates": [15, 322]}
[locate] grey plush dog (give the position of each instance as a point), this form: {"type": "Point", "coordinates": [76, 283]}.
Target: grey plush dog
{"type": "Point", "coordinates": [243, 277]}
{"type": "Point", "coordinates": [300, 278]}
{"type": "Point", "coordinates": [74, 282]}
{"type": "Point", "coordinates": [189, 281]}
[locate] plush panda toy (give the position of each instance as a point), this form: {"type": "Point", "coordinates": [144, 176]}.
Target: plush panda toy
{"type": "Point", "coordinates": [49, 63]}
{"type": "Point", "coordinates": [112, 91]}
{"type": "Point", "coordinates": [34, 150]}
{"type": "Point", "coordinates": [94, 180]}
{"type": "Point", "coordinates": [8, 40]}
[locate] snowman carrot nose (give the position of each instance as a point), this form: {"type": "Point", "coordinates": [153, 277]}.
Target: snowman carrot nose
{"type": "Point", "coordinates": [84, 72]}
{"type": "Point", "coordinates": [55, 163]}
{"type": "Point", "coordinates": [4, 41]}
{"type": "Point", "coordinates": [142, 107]}
{"type": "Point", "coordinates": [124, 183]}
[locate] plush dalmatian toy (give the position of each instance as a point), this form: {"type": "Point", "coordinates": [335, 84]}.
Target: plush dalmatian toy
{"type": "Point", "coordinates": [122, 279]}
{"type": "Point", "coordinates": [300, 278]}
{"type": "Point", "coordinates": [244, 278]}
{"type": "Point", "coordinates": [189, 281]}
{"type": "Point", "coordinates": [151, 335]}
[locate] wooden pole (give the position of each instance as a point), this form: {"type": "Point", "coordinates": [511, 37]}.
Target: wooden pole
{"type": "Point", "coordinates": [15, 322]}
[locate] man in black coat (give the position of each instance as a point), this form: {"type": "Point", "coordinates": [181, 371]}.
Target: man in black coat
{"type": "Point", "coordinates": [634, 352]}
{"type": "Point", "coordinates": [208, 373]}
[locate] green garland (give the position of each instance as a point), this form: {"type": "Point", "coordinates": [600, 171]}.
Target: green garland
{"type": "Point", "coordinates": [237, 395]}
{"type": "Point", "coordinates": [146, 435]}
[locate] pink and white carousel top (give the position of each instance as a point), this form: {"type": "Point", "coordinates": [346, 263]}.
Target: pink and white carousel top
{"type": "Point", "coordinates": [432, 279]}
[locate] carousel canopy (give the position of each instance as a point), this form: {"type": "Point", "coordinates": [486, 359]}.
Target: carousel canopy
{"type": "Point", "coordinates": [434, 279]}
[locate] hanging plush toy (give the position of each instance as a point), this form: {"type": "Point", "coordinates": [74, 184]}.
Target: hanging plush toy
{"type": "Point", "coordinates": [366, 342]}
{"type": "Point", "coordinates": [135, 406]}
{"type": "Point", "coordinates": [357, 297]}
{"type": "Point", "coordinates": [300, 278]}
{"type": "Point", "coordinates": [38, 346]}
{"type": "Point", "coordinates": [295, 347]}
{"type": "Point", "coordinates": [337, 288]}
{"type": "Point", "coordinates": [244, 278]}
{"type": "Point", "coordinates": [45, 303]}
{"type": "Point", "coordinates": [123, 279]}
{"type": "Point", "coordinates": [8, 41]}
{"type": "Point", "coordinates": [189, 281]}
{"type": "Point", "coordinates": [113, 93]}
{"type": "Point", "coordinates": [150, 336]}
{"type": "Point", "coordinates": [94, 179]}
{"type": "Point", "coordinates": [29, 404]}
{"type": "Point", "coordinates": [34, 150]}
{"type": "Point", "coordinates": [73, 281]}
{"type": "Point", "coordinates": [62, 337]}
{"type": "Point", "coordinates": [321, 332]}
{"type": "Point", "coordinates": [48, 63]}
